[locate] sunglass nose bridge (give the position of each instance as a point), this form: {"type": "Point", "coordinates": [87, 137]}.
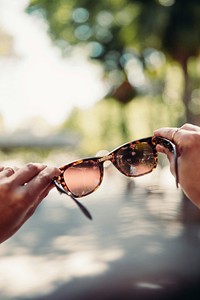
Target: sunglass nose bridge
{"type": "Point", "coordinates": [104, 158]}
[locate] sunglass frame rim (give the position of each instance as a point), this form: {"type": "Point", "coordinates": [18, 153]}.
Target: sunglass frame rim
{"type": "Point", "coordinates": [152, 140]}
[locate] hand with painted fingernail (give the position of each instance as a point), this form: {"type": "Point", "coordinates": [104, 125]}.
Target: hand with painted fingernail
{"type": "Point", "coordinates": [21, 191]}
{"type": "Point", "coordinates": [187, 141]}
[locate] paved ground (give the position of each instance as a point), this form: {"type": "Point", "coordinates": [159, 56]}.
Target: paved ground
{"type": "Point", "coordinates": [143, 243]}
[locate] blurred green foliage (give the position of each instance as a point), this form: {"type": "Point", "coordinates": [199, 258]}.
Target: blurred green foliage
{"type": "Point", "coordinates": [150, 53]}
{"type": "Point", "coordinates": [102, 125]}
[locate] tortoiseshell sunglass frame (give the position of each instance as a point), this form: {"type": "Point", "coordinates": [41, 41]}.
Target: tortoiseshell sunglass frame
{"type": "Point", "coordinates": [152, 141]}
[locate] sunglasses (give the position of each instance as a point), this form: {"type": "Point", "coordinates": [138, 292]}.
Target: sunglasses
{"type": "Point", "coordinates": [82, 177]}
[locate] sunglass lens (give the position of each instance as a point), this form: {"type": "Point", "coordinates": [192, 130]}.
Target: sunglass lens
{"type": "Point", "coordinates": [136, 159]}
{"type": "Point", "coordinates": [83, 178]}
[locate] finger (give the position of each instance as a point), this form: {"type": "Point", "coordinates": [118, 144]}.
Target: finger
{"type": "Point", "coordinates": [6, 172]}
{"type": "Point", "coordinates": [32, 193]}
{"type": "Point", "coordinates": [169, 155]}
{"type": "Point", "coordinates": [40, 183]}
{"type": "Point", "coordinates": [164, 150]}
{"type": "Point", "coordinates": [166, 132]}
{"type": "Point", "coordinates": [31, 209]}
{"type": "Point", "coordinates": [25, 174]}
{"type": "Point", "coordinates": [190, 127]}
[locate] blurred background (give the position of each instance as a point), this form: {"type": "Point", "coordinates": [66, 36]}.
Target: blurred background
{"type": "Point", "coordinates": [77, 77]}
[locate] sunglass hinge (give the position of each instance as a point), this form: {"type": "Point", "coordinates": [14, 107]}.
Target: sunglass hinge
{"type": "Point", "coordinates": [104, 158]}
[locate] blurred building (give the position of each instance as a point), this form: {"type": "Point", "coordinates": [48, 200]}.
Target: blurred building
{"type": "Point", "coordinates": [26, 139]}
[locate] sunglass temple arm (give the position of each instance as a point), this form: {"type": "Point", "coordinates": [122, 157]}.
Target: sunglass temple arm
{"type": "Point", "coordinates": [82, 208]}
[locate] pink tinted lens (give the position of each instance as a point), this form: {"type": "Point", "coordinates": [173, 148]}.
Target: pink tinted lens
{"type": "Point", "coordinates": [83, 178]}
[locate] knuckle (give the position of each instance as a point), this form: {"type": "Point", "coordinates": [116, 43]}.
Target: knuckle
{"type": "Point", "coordinates": [184, 126]}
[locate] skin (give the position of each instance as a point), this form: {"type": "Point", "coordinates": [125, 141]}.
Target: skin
{"type": "Point", "coordinates": [21, 191]}
{"type": "Point", "coordinates": [187, 141]}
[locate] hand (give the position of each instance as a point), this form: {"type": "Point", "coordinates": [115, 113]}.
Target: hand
{"type": "Point", "coordinates": [21, 191]}
{"type": "Point", "coordinates": [187, 141]}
